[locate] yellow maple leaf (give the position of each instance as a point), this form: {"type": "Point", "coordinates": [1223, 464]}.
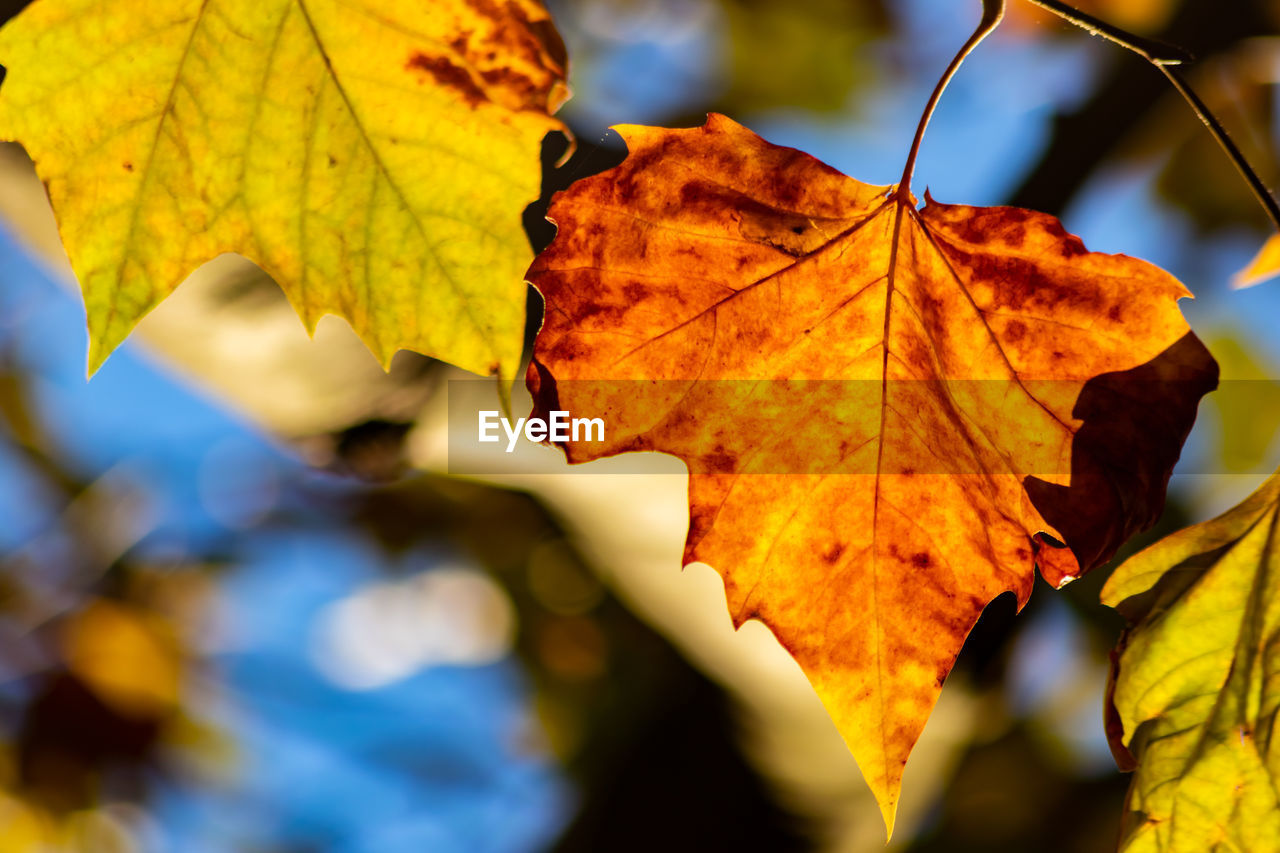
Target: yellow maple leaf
{"type": "Point", "coordinates": [373, 157]}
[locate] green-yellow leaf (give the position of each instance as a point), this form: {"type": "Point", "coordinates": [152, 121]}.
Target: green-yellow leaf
{"type": "Point", "coordinates": [373, 156]}
{"type": "Point", "coordinates": [1197, 684]}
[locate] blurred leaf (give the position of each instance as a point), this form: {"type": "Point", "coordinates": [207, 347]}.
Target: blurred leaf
{"type": "Point", "coordinates": [1248, 403]}
{"type": "Point", "coordinates": [1197, 683]}
{"type": "Point", "coordinates": [128, 658]}
{"type": "Point", "coordinates": [1265, 265]}
{"type": "Point", "coordinates": [1197, 176]}
{"type": "Point", "coordinates": [22, 828]}
{"type": "Point", "coordinates": [375, 160]}
{"type": "Point", "coordinates": [803, 54]}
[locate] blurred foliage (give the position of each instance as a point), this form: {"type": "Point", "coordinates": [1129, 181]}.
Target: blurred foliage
{"type": "Point", "coordinates": [621, 709]}
{"type": "Point", "coordinates": [1247, 404]}
{"type": "Point", "coordinates": [1006, 797]}
{"type": "Point", "coordinates": [1264, 266]}
{"type": "Point", "coordinates": [1139, 16]}
{"type": "Point", "coordinates": [1133, 114]}
{"type": "Point", "coordinates": [753, 55]}
{"type": "Point", "coordinates": [104, 677]}
{"type": "Point", "coordinates": [1239, 86]}
{"type": "Point", "coordinates": [799, 55]}
{"type": "Point", "coordinates": [94, 657]}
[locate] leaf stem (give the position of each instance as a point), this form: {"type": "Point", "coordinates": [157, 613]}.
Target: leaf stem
{"type": "Point", "coordinates": [1166, 58]}
{"type": "Point", "coordinates": [992, 12]}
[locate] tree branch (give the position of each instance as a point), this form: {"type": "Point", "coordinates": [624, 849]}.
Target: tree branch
{"type": "Point", "coordinates": [1166, 58]}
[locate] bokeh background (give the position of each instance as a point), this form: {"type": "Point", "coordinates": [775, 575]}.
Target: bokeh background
{"type": "Point", "coordinates": [244, 608]}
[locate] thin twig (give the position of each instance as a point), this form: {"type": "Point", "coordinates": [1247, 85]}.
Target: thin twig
{"type": "Point", "coordinates": [1156, 52]}
{"type": "Point", "coordinates": [1166, 58]}
{"type": "Point", "coordinates": [1260, 190]}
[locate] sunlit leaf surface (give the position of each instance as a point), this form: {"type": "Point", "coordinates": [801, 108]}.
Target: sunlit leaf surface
{"type": "Point", "coordinates": [884, 409]}
{"type": "Point", "coordinates": [1197, 684]}
{"type": "Point", "coordinates": [373, 157]}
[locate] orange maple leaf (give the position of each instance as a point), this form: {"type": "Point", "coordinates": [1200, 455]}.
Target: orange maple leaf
{"type": "Point", "coordinates": [885, 410]}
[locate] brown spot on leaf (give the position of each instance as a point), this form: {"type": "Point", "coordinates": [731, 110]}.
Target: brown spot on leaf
{"type": "Point", "coordinates": [921, 560]}
{"type": "Point", "coordinates": [634, 292]}
{"type": "Point", "coordinates": [719, 462]}
{"type": "Point", "coordinates": [447, 74]}
{"type": "Point", "coordinates": [518, 84]}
